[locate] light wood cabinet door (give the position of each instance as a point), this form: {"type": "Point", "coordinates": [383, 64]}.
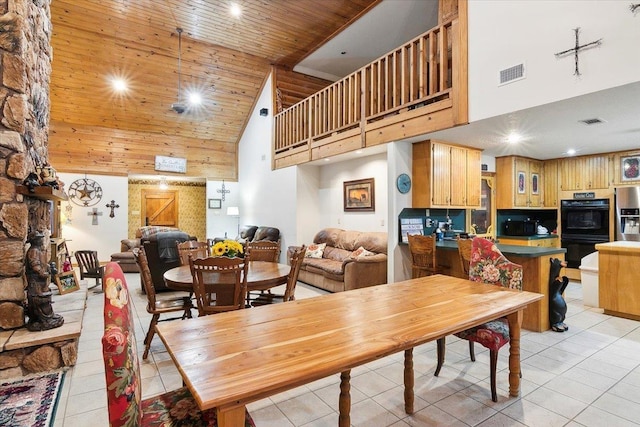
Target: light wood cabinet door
{"type": "Point", "coordinates": [550, 187]}
{"type": "Point", "coordinates": [458, 176]}
{"type": "Point", "coordinates": [534, 189]}
{"type": "Point", "coordinates": [521, 176]}
{"type": "Point", "coordinates": [441, 174]}
{"type": "Point", "coordinates": [572, 173]}
{"type": "Point", "coordinates": [596, 172]}
{"type": "Point", "coordinates": [445, 175]}
{"type": "Point", "coordinates": [474, 178]}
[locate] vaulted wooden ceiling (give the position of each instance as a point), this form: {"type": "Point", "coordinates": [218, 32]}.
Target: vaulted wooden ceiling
{"type": "Point", "coordinates": [94, 130]}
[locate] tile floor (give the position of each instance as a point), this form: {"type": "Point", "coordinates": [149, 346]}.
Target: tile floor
{"type": "Point", "coordinates": [587, 376]}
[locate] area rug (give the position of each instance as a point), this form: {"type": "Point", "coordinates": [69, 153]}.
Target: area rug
{"type": "Point", "coordinates": [30, 401]}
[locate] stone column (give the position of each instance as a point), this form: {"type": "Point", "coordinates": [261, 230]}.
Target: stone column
{"type": "Point", "coordinates": [25, 70]}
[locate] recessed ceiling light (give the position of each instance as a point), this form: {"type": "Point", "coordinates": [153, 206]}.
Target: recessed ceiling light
{"type": "Point", "coordinates": [358, 151]}
{"type": "Point", "coordinates": [513, 138]}
{"type": "Point", "coordinates": [327, 159]}
{"type": "Point", "coordinates": [119, 84]}
{"type": "Point", "coordinates": [571, 152]}
{"type": "Point", "coordinates": [235, 10]}
{"type": "Point", "coordinates": [195, 98]}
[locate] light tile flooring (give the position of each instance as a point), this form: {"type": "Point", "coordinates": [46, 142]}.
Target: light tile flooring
{"type": "Point", "coordinates": [589, 375]}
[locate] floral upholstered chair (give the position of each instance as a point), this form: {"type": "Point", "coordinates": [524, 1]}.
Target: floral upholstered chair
{"type": "Point", "coordinates": [488, 265]}
{"type": "Point", "coordinates": [122, 370]}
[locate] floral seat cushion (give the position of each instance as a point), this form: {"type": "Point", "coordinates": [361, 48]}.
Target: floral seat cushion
{"type": "Point", "coordinates": [492, 335]}
{"type": "Point", "coordinates": [122, 370]}
{"type": "Point", "coordinates": [178, 408]}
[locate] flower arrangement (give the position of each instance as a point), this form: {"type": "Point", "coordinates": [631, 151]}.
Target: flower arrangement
{"type": "Point", "coordinates": [228, 248]}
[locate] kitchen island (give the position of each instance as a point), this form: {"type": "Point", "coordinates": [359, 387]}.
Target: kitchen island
{"type": "Point", "coordinates": [619, 293]}
{"type": "Point", "coordinates": [535, 270]}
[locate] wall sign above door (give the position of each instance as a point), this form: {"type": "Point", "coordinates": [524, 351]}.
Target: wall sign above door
{"type": "Point", "coordinates": [171, 164]}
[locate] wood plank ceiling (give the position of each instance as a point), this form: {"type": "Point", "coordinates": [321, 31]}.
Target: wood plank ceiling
{"type": "Point", "coordinates": [94, 130]}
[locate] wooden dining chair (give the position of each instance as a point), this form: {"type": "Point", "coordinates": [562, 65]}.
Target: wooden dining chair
{"type": "Point", "coordinates": [219, 284]}
{"type": "Point", "coordinates": [122, 370]}
{"type": "Point", "coordinates": [192, 248]}
{"type": "Point", "coordinates": [464, 255]}
{"type": "Point", "coordinates": [89, 266]}
{"type": "Point", "coordinates": [488, 265]}
{"type": "Point", "coordinates": [269, 297]}
{"type": "Point", "coordinates": [263, 250]}
{"type": "Point", "coordinates": [423, 256]}
{"type": "Point", "coordinates": [155, 306]}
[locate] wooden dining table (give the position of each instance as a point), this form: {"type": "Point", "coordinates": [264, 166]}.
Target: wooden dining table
{"type": "Point", "coordinates": [230, 359]}
{"type": "Point", "coordinates": [262, 275]}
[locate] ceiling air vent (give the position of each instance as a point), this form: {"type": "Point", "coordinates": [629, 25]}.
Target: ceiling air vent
{"type": "Point", "coordinates": [511, 74]}
{"type": "Point", "coordinates": [592, 121]}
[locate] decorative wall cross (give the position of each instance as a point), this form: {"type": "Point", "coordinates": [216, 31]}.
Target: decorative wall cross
{"type": "Point", "coordinates": [223, 191]}
{"type": "Point", "coordinates": [112, 205]}
{"type": "Point", "coordinates": [95, 214]}
{"type": "Point", "coordinates": [575, 50]}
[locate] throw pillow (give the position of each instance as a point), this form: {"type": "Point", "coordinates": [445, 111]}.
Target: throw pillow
{"type": "Point", "coordinates": [315, 250]}
{"type": "Point", "coordinates": [361, 252]}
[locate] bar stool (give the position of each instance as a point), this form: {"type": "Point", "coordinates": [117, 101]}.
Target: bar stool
{"type": "Point", "coordinates": [423, 256]}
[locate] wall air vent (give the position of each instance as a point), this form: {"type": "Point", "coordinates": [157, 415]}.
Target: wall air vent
{"type": "Point", "coordinates": [594, 121]}
{"type": "Point", "coordinates": [511, 74]}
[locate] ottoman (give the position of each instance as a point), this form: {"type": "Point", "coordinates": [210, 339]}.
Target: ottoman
{"type": "Point", "coordinates": [127, 261]}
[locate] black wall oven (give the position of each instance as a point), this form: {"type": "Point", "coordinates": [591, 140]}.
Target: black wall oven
{"type": "Point", "coordinates": [584, 223]}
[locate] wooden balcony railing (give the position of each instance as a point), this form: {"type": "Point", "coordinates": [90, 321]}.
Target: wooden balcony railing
{"type": "Point", "coordinates": [418, 74]}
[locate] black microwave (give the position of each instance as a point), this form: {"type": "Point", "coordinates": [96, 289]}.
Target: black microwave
{"type": "Point", "coordinates": [519, 228]}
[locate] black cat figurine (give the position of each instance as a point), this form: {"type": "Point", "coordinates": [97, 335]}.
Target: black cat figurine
{"type": "Point", "coordinates": [557, 304]}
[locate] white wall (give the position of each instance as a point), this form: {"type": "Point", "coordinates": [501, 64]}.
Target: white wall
{"type": "Point", "coordinates": [267, 197]}
{"type": "Point", "coordinates": [219, 223]}
{"type": "Point", "coordinates": [105, 237]}
{"type": "Point", "coordinates": [330, 193]}
{"type": "Point", "coordinates": [506, 33]}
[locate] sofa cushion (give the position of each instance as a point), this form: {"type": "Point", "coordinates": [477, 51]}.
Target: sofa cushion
{"type": "Point", "coordinates": [324, 266]}
{"type": "Point", "coordinates": [361, 252]}
{"type": "Point", "coordinates": [129, 244]}
{"type": "Point", "coordinates": [315, 250]}
{"type": "Point", "coordinates": [336, 254]}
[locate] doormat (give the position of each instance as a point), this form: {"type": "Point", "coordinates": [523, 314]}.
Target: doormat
{"type": "Point", "coordinates": [30, 401]}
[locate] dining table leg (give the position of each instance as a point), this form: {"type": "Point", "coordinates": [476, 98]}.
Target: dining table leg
{"type": "Point", "coordinates": [231, 417]}
{"type": "Point", "coordinates": [408, 381]}
{"type": "Point", "coordinates": [344, 404]}
{"type": "Point", "coordinates": [515, 324]}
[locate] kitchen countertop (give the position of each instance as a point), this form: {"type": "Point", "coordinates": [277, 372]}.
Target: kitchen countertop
{"type": "Point", "coordinates": [521, 251]}
{"type": "Point", "coordinates": [620, 246]}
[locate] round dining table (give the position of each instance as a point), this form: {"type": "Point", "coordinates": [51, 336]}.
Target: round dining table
{"type": "Point", "coordinates": [262, 275]}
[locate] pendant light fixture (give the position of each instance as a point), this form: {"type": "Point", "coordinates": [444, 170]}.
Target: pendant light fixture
{"type": "Point", "coordinates": [178, 106]}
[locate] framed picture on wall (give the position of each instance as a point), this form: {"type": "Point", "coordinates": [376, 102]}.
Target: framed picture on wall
{"type": "Point", "coordinates": [359, 195]}
{"type": "Point", "coordinates": [630, 168]}
{"type": "Point", "coordinates": [215, 203]}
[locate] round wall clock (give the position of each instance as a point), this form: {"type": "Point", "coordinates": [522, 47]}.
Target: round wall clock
{"type": "Point", "coordinates": [85, 192]}
{"type": "Point", "coordinates": [403, 183]}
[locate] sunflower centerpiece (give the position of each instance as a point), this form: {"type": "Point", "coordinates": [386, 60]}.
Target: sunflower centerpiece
{"type": "Point", "coordinates": [227, 248]}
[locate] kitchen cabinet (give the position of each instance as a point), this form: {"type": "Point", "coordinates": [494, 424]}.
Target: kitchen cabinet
{"type": "Point", "coordinates": [550, 188]}
{"type": "Point", "coordinates": [548, 242]}
{"type": "Point", "coordinates": [519, 181]}
{"type": "Point", "coordinates": [584, 173]}
{"type": "Point", "coordinates": [619, 293]}
{"type": "Point", "coordinates": [445, 175]}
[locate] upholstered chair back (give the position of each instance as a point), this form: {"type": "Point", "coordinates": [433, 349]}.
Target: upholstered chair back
{"type": "Point", "coordinates": [489, 265]}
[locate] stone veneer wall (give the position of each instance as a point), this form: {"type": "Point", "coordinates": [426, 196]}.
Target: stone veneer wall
{"type": "Point", "coordinates": [25, 58]}
{"type": "Point", "coordinates": [192, 210]}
